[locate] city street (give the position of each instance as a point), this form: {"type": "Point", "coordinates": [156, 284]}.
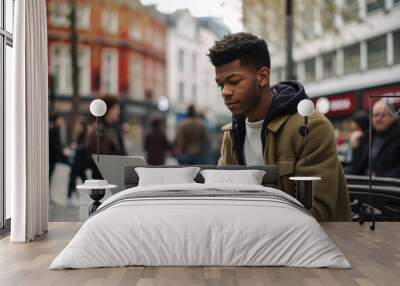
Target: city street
{"type": "Point", "coordinates": [59, 209]}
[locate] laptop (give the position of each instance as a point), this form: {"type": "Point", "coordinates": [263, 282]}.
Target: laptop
{"type": "Point", "coordinates": [112, 167]}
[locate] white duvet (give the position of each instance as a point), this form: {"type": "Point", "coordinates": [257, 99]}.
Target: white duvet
{"type": "Point", "coordinates": [200, 231]}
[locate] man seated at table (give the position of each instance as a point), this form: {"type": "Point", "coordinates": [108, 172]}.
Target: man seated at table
{"type": "Point", "coordinates": [266, 128]}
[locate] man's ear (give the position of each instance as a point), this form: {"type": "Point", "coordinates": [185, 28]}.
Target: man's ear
{"type": "Point", "coordinates": [263, 76]}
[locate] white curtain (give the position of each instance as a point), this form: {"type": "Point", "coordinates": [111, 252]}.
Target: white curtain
{"type": "Point", "coordinates": [27, 124]}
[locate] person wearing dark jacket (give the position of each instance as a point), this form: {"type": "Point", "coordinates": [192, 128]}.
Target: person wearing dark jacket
{"type": "Point", "coordinates": [385, 144]}
{"type": "Point", "coordinates": [81, 158]}
{"type": "Point", "coordinates": [56, 154]}
{"type": "Point", "coordinates": [192, 139]}
{"type": "Point", "coordinates": [266, 128]}
{"type": "Point", "coordinates": [358, 140]}
{"type": "Point", "coordinates": [156, 144]}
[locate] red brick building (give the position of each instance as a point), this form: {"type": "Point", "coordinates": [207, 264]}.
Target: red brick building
{"type": "Point", "coordinates": [121, 49]}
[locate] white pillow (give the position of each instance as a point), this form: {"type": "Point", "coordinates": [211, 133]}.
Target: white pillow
{"type": "Point", "coordinates": [249, 177]}
{"type": "Point", "coordinates": [164, 176]}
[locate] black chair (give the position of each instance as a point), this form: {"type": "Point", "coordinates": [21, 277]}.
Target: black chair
{"type": "Point", "coordinates": [385, 198]}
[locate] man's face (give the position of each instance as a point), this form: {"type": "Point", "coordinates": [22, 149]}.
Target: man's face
{"type": "Point", "coordinates": [382, 119]}
{"type": "Point", "coordinates": [239, 87]}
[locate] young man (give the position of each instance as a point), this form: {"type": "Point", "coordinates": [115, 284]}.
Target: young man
{"type": "Point", "coordinates": [266, 128]}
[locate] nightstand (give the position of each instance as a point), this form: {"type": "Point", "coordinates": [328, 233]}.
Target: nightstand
{"type": "Point", "coordinates": [96, 193]}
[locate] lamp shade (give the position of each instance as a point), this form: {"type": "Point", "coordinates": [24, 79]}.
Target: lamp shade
{"type": "Point", "coordinates": [98, 107]}
{"type": "Point", "coordinates": [305, 107]}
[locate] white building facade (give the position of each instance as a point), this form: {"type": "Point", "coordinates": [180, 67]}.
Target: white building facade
{"type": "Point", "coordinates": [190, 75]}
{"type": "Point", "coordinates": [360, 58]}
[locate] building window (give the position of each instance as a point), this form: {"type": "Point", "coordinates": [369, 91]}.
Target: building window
{"type": "Point", "coordinates": [350, 10]}
{"type": "Point", "coordinates": [309, 66]}
{"type": "Point", "coordinates": [308, 21]}
{"type": "Point", "coordinates": [181, 60]}
{"type": "Point", "coordinates": [375, 5]}
{"type": "Point", "coordinates": [376, 49]}
{"type": "Point", "coordinates": [181, 91]}
{"type": "Point", "coordinates": [84, 71]}
{"type": "Point", "coordinates": [136, 79]}
{"type": "Point", "coordinates": [83, 17]}
{"type": "Point", "coordinates": [109, 71]}
{"type": "Point", "coordinates": [59, 14]}
{"type": "Point", "coordinates": [396, 47]}
{"type": "Point", "coordinates": [328, 11]}
{"type": "Point", "coordinates": [61, 69]}
{"type": "Point", "coordinates": [109, 22]}
{"type": "Point", "coordinates": [329, 64]}
{"type": "Point", "coordinates": [351, 56]}
{"type": "Point", "coordinates": [6, 66]}
{"type": "Point", "coordinates": [136, 32]}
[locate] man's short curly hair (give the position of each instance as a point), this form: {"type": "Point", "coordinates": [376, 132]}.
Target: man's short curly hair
{"type": "Point", "coordinates": [247, 48]}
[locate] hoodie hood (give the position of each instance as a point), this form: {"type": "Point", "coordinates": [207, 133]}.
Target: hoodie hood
{"type": "Point", "coordinates": [286, 96]}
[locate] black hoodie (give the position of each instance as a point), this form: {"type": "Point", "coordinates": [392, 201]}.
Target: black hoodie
{"type": "Point", "coordinates": [286, 96]}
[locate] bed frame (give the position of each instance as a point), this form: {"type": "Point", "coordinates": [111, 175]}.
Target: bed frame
{"type": "Point", "coordinates": [270, 179]}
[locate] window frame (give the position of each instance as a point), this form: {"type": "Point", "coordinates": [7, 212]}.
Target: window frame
{"type": "Point", "coordinates": [310, 62]}
{"type": "Point", "coordinates": [6, 39]}
{"type": "Point", "coordinates": [346, 50]}
{"type": "Point", "coordinates": [375, 10]}
{"type": "Point", "coordinates": [371, 43]}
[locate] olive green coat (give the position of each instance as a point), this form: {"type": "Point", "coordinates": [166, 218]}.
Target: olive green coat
{"type": "Point", "coordinates": [286, 147]}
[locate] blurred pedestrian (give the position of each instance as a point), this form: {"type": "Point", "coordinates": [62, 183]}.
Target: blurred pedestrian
{"type": "Point", "coordinates": [343, 147]}
{"type": "Point", "coordinates": [385, 150]}
{"type": "Point", "coordinates": [56, 148]}
{"type": "Point", "coordinates": [192, 140]}
{"type": "Point", "coordinates": [111, 141]}
{"type": "Point", "coordinates": [358, 139]}
{"type": "Point", "coordinates": [80, 160]}
{"type": "Point", "coordinates": [156, 144]}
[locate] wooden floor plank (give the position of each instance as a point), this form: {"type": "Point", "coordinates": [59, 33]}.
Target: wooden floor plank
{"type": "Point", "coordinates": [375, 257]}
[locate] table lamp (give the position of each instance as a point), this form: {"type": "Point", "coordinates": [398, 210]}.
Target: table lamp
{"type": "Point", "coordinates": [305, 108]}
{"type": "Point", "coordinates": [305, 185]}
{"type": "Point", "coordinates": [98, 108]}
{"type": "Point", "coordinates": [96, 187]}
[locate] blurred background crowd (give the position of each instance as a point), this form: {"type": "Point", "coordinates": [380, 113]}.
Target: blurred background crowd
{"type": "Point", "coordinates": [147, 59]}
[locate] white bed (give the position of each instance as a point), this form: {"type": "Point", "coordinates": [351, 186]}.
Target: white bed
{"type": "Point", "coordinates": [239, 229]}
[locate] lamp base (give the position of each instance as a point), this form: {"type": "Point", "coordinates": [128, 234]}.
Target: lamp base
{"type": "Point", "coordinates": [304, 190]}
{"type": "Point", "coordinates": [96, 195]}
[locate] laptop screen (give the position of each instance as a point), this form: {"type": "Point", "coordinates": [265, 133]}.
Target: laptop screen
{"type": "Point", "coordinates": [112, 167]}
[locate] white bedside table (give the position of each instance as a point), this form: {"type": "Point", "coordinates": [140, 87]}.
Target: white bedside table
{"type": "Point", "coordinates": [96, 193]}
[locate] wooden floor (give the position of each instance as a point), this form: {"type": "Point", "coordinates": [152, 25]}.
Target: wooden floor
{"type": "Point", "coordinates": [375, 257]}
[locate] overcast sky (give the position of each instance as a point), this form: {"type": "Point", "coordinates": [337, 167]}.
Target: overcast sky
{"type": "Point", "coordinates": [228, 10]}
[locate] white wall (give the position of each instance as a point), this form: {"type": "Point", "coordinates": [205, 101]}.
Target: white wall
{"type": "Point", "coordinates": [187, 35]}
